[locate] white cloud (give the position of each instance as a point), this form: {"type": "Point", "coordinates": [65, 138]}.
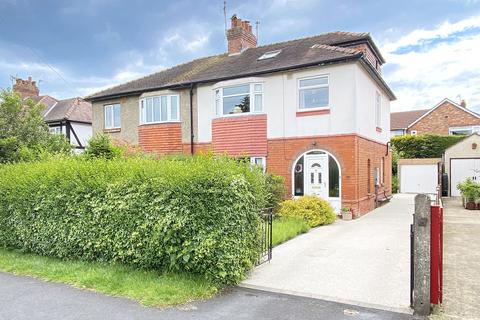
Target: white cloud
{"type": "Point", "coordinates": [435, 70]}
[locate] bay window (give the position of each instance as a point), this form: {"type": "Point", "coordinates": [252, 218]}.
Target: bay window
{"type": "Point", "coordinates": [159, 109]}
{"type": "Point", "coordinates": [313, 93]}
{"type": "Point", "coordinates": [112, 116]}
{"type": "Point", "coordinates": [245, 98]}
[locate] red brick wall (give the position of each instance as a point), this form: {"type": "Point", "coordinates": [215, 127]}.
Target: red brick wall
{"type": "Point", "coordinates": [351, 151]}
{"type": "Point", "coordinates": [163, 138]}
{"type": "Point", "coordinates": [240, 135]}
{"type": "Point", "coordinates": [443, 117]}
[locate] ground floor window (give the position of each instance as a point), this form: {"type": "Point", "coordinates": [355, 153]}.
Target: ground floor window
{"type": "Point", "coordinates": [316, 172]}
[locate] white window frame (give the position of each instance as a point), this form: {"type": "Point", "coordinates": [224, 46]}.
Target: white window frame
{"type": "Point", "coordinates": [473, 129]}
{"type": "Point", "coordinates": [55, 130]}
{"type": "Point", "coordinates": [112, 116]}
{"type": "Point", "coordinates": [299, 108]}
{"type": "Point", "coordinates": [378, 109]}
{"type": "Point", "coordinates": [270, 54]}
{"type": "Point", "coordinates": [218, 99]}
{"type": "Point", "coordinates": [264, 162]}
{"type": "Point", "coordinates": [142, 107]}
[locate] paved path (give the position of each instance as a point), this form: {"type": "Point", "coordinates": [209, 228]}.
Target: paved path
{"type": "Point", "coordinates": [461, 262]}
{"type": "Point", "coordinates": [364, 261]}
{"type": "Point", "coordinates": [24, 298]}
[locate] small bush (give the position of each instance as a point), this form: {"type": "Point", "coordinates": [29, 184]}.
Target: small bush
{"type": "Point", "coordinates": [195, 214]}
{"type": "Point", "coordinates": [275, 191]}
{"type": "Point", "coordinates": [312, 209]}
{"type": "Point", "coordinates": [469, 189]}
{"type": "Point", "coordinates": [394, 184]}
{"type": "Point", "coordinates": [100, 146]}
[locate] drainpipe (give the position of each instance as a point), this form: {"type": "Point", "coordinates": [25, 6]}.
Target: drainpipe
{"type": "Point", "coordinates": [191, 119]}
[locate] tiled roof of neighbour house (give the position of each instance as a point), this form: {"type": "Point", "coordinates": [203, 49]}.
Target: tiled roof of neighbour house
{"type": "Point", "coordinates": [45, 100]}
{"type": "Point", "coordinates": [73, 109]}
{"type": "Point", "coordinates": [401, 120]}
{"type": "Point", "coordinates": [325, 48]}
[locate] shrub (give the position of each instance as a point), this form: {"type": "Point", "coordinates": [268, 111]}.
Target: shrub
{"type": "Point", "coordinates": [275, 190]}
{"type": "Point", "coordinates": [312, 209]}
{"type": "Point", "coordinates": [394, 184]}
{"type": "Point", "coordinates": [469, 189]}
{"type": "Point", "coordinates": [423, 146]}
{"type": "Point", "coordinates": [101, 146]}
{"type": "Point", "coordinates": [196, 214]}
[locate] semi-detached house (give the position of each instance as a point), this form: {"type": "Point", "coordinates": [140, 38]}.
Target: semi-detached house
{"type": "Point", "coordinates": [314, 110]}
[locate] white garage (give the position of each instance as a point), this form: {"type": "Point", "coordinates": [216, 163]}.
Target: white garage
{"type": "Point", "coordinates": [418, 175]}
{"type": "Point", "coordinates": [462, 161]}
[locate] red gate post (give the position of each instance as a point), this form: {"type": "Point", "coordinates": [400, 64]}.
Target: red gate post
{"type": "Point", "coordinates": [436, 254]}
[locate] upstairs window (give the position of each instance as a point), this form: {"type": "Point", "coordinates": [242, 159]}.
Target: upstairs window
{"type": "Point", "coordinates": [378, 110]}
{"type": "Point", "coordinates": [159, 109]}
{"type": "Point", "coordinates": [313, 93]}
{"type": "Point", "coordinates": [112, 116]}
{"type": "Point", "coordinates": [245, 98]}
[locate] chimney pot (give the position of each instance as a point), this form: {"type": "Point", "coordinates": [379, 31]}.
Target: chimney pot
{"type": "Point", "coordinates": [463, 103]}
{"type": "Point", "coordinates": [240, 36]}
{"type": "Point", "coordinates": [26, 88]}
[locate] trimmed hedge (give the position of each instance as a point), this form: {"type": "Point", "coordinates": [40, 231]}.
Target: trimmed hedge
{"type": "Point", "coordinates": [314, 210]}
{"type": "Point", "coordinates": [196, 214]}
{"type": "Point", "coordinates": [423, 146]}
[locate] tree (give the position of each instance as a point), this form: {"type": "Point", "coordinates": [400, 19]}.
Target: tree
{"type": "Point", "coordinates": [24, 135]}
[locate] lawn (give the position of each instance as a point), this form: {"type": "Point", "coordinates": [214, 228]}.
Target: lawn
{"type": "Point", "coordinates": [287, 228]}
{"type": "Point", "coordinates": [151, 288]}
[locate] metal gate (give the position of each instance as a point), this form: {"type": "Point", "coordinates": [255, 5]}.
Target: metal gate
{"type": "Point", "coordinates": [266, 235]}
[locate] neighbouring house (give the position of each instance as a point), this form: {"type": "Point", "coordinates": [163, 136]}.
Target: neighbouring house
{"type": "Point", "coordinates": [447, 117]}
{"type": "Point", "coordinates": [462, 161]}
{"type": "Point", "coordinates": [314, 110]}
{"type": "Point", "coordinates": [71, 117]}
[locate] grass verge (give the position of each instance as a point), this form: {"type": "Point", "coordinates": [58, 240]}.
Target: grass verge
{"type": "Point", "coordinates": [150, 288]}
{"type": "Point", "coordinates": [287, 228]}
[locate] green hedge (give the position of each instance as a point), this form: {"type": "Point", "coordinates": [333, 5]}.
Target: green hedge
{"type": "Point", "coordinates": [423, 146]}
{"type": "Point", "coordinates": [197, 214]}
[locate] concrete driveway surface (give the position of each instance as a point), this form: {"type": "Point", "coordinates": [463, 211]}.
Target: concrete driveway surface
{"type": "Point", "coordinates": [363, 262]}
{"type": "Point", "coordinates": [24, 298]}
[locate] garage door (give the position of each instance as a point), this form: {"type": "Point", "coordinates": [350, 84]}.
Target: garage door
{"type": "Point", "coordinates": [416, 178]}
{"type": "Point", "coordinates": [460, 170]}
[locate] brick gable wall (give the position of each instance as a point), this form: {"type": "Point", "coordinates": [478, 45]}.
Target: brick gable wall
{"type": "Point", "coordinates": [442, 118]}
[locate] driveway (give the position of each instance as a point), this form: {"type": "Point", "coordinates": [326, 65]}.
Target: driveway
{"type": "Point", "coordinates": [461, 262]}
{"type": "Point", "coordinates": [24, 298]}
{"type": "Point", "coordinates": [363, 262]}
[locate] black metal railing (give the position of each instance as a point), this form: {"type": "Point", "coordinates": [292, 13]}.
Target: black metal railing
{"type": "Point", "coordinates": [266, 236]}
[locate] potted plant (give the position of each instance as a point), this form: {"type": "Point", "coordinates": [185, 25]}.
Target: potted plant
{"type": "Point", "coordinates": [470, 193]}
{"type": "Point", "coordinates": [347, 214]}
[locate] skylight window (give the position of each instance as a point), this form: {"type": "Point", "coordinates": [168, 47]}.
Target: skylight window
{"type": "Point", "coordinates": [270, 54]}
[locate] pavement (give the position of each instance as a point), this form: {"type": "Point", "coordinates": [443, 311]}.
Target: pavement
{"type": "Point", "coordinates": [461, 262]}
{"type": "Point", "coordinates": [360, 262]}
{"type": "Point", "coordinates": [23, 298]}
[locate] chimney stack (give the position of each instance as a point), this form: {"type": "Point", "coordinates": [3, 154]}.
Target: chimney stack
{"type": "Point", "coordinates": [463, 104]}
{"type": "Point", "coordinates": [26, 88]}
{"type": "Point", "coordinates": [240, 35]}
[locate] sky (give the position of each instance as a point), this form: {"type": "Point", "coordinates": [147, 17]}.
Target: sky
{"type": "Point", "coordinates": [75, 48]}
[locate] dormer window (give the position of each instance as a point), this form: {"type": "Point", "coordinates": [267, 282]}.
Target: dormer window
{"type": "Point", "coordinates": [269, 54]}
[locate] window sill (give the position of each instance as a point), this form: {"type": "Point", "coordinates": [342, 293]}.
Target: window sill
{"type": "Point", "coordinates": [156, 123]}
{"type": "Point", "coordinates": [243, 114]}
{"type": "Point", "coordinates": [313, 112]}
{"type": "Point", "coordinates": [112, 130]}
{"type": "Point", "coordinates": [378, 129]}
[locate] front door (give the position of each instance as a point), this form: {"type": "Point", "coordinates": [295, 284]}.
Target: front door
{"type": "Point", "coordinates": [316, 175]}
